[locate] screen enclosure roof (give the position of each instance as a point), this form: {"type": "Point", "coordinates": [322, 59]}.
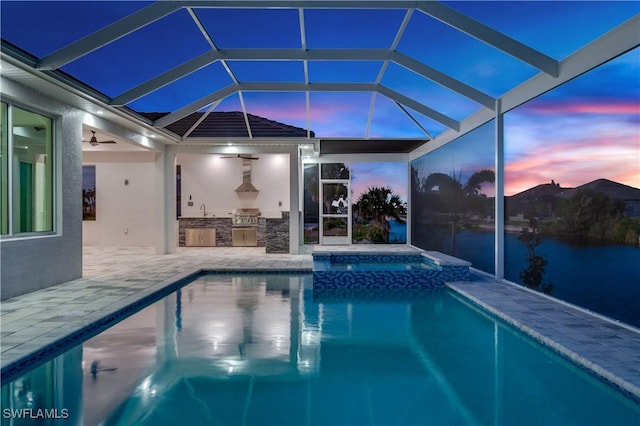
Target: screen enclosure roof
{"type": "Point", "coordinates": [346, 71]}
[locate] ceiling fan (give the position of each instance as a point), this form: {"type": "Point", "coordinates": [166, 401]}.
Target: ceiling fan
{"type": "Point", "coordinates": [243, 156]}
{"type": "Point", "coordinates": [94, 141]}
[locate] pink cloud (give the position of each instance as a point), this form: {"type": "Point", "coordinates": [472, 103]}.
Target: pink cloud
{"type": "Point", "coordinates": [573, 165]}
{"type": "Point", "coordinates": [602, 107]}
{"type": "Point", "coordinates": [276, 108]}
{"type": "Point", "coordinates": [329, 115]}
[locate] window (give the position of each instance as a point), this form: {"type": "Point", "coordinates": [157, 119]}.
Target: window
{"type": "Point", "coordinates": [27, 171]}
{"type": "Point", "coordinates": [4, 170]}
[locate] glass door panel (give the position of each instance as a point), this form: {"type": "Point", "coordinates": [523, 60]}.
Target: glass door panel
{"type": "Point", "coordinates": [336, 212]}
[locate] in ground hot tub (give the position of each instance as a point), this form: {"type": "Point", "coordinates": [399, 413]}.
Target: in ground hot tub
{"type": "Point", "coordinates": [415, 269]}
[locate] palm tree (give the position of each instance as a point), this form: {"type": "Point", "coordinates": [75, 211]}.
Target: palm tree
{"type": "Point", "coordinates": [377, 206]}
{"type": "Point", "coordinates": [448, 194]}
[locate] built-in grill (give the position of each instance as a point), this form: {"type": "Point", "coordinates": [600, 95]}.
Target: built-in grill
{"type": "Point", "coordinates": [245, 217]}
{"type": "Point", "coordinates": [245, 227]}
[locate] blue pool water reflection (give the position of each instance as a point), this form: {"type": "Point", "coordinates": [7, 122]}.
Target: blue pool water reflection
{"type": "Point", "coordinates": [267, 350]}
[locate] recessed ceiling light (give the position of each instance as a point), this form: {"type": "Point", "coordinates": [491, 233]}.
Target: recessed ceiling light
{"type": "Point", "coordinates": [100, 112]}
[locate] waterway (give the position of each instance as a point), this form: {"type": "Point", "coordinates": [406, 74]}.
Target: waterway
{"type": "Point", "coordinates": [604, 279]}
{"type": "Point", "coordinates": [398, 232]}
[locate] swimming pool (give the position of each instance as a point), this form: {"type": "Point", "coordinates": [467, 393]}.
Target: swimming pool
{"type": "Point", "coordinates": [267, 349]}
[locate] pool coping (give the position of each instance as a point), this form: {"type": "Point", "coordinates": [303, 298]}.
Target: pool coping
{"type": "Point", "coordinates": [590, 366]}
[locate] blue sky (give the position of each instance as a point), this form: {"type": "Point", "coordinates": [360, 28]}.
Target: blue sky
{"type": "Point", "coordinates": [594, 116]}
{"type": "Point", "coordinates": [368, 175]}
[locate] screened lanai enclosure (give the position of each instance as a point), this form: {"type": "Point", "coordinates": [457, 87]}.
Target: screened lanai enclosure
{"type": "Point", "coordinates": [504, 133]}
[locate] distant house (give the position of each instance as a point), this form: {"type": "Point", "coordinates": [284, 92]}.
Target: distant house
{"type": "Point", "coordinates": [539, 201]}
{"type": "Point", "coordinates": [614, 190]}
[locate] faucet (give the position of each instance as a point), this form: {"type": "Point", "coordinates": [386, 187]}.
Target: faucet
{"type": "Point", "coordinates": [203, 207]}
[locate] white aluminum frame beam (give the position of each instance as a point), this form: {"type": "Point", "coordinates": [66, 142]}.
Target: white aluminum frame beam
{"type": "Point", "coordinates": [244, 114]}
{"type": "Point", "coordinates": [491, 37]}
{"type": "Point", "coordinates": [201, 119]}
{"type": "Point", "coordinates": [616, 42]}
{"type": "Point", "coordinates": [305, 66]}
{"type": "Point", "coordinates": [109, 34]}
{"type": "Point", "coordinates": [443, 80]}
{"type": "Point", "coordinates": [413, 119]}
{"type": "Point", "coordinates": [305, 55]}
{"type": "Point", "coordinates": [372, 106]}
{"type": "Point", "coordinates": [449, 122]}
{"type": "Point", "coordinates": [209, 40]}
{"type": "Point", "coordinates": [195, 106]}
{"type": "Point", "coordinates": [394, 45]}
{"type": "Point", "coordinates": [436, 10]}
{"type": "Point", "coordinates": [499, 197]}
{"type": "Point", "coordinates": [385, 65]}
{"type": "Point", "coordinates": [317, 87]}
{"type": "Point", "coordinates": [166, 78]}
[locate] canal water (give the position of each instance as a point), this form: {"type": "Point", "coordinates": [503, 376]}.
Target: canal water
{"type": "Point", "coordinates": [604, 279]}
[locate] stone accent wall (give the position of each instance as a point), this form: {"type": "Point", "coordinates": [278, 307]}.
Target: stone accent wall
{"type": "Point", "coordinates": [262, 231]}
{"type": "Point", "coordinates": [277, 234]}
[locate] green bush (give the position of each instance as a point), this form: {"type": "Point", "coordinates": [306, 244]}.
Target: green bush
{"type": "Point", "coordinates": [377, 233]}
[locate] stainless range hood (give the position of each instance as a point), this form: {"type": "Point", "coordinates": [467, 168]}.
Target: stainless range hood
{"type": "Point", "coordinates": [246, 185]}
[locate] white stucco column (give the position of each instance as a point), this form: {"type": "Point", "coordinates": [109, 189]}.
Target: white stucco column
{"type": "Point", "coordinates": [294, 200]}
{"type": "Point", "coordinates": [165, 204]}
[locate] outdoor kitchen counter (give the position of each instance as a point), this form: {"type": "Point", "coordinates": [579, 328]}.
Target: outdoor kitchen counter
{"type": "Point", "coordinates": [273, 233]}
{"type": "Point", "coordinates": [223, 227]}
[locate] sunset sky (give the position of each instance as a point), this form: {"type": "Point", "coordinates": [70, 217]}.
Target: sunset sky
{"type": "Point", "coordinates": [584, 130]}
{"type": "Point", "coordinates": [587, 129]}
{"type": "Point", "coordinates": [367, 175]}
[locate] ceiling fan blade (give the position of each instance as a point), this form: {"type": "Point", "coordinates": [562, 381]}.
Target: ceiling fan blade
{"type": "Point", "coordinates": [243, 156]}
{"type": "Point", "coordinates": [94, 143]}
{"type": "Point", "coordinates": [94, 140]}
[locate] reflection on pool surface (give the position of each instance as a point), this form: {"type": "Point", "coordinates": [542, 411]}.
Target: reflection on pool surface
{"type": "Point", "coordinates": [268, 350]}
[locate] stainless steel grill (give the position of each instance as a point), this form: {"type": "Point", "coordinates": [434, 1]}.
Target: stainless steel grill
{"type": "Point", "coordinates": [245, 217]}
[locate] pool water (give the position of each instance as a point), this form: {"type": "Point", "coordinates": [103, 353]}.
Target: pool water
{"type": "Point", "coordinates": [268, 350]}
